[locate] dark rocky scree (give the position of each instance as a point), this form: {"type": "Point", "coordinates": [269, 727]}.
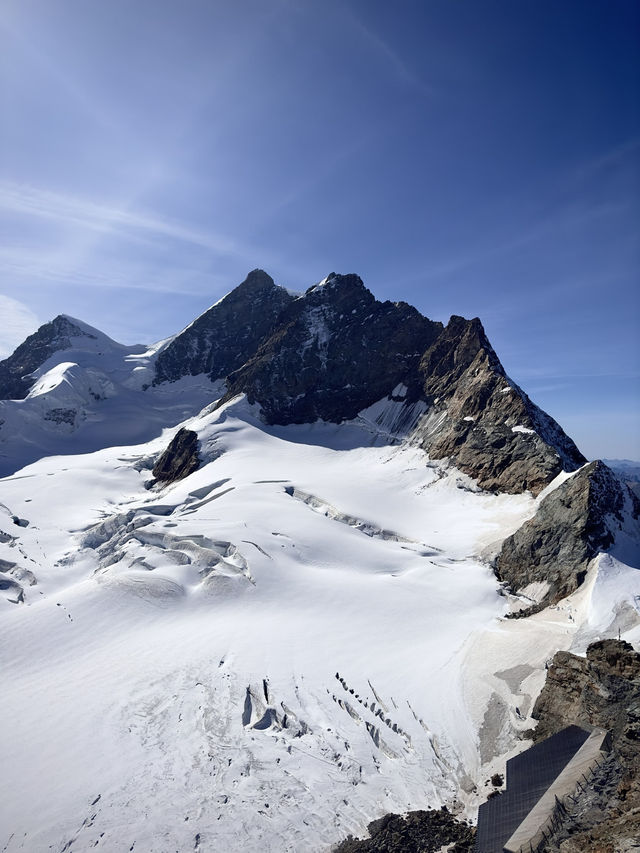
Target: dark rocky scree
{"type": "Point", "coordinates": [336, 351]}
{"type": "Point", "coordinates": [417, 832]}
{"type": "Point", "coordinates": [179, 459]}
{"type": "Point", "coordinates": [226, 335]}
{"type": "Point", "coordinates": [571, 526]}
{"type": "Point", "coordinates": [15, 371]}
{"type": "Point", "coordinates": [474, 408]}
{"type": "Point", "coordinates": [603, 690]}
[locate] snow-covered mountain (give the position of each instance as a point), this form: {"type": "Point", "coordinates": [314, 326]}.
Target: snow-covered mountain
{"type": "Point", "coordinates": [248, 574]}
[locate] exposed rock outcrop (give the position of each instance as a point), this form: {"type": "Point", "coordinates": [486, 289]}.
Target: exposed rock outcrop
{"type": "Point", "coordinates": [572, 524]}
{"type": "Point", "coordinates": [483, 421]}
{"type": "Point", "coordinates": [228, 334]}
{"type": "Point", "coordinates": [602, 690]}
{"type": "Point", "coordinates": [15, 372]}
{"type": "Point", "coordinates": [415, 832]}
{"type": "Point", "coordinates": [336, 351]}
{"type": "Point", "coordinates": [179, 459]}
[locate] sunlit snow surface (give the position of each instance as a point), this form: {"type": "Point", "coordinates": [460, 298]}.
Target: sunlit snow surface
{"type": "Point", "coordinates": [302, 635]}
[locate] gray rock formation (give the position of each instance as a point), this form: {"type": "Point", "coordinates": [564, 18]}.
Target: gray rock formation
{"type": "Point", "coordinates": [572, 524]}
{"type": "Point", "coordinates": [228, 334]}
{"type": "Point", "coordinates": [422, 831]}
{"type": "Point", "coordinates": [483, 421]}
{"type": "Point", "coordinates": [602, 690]}
{"type": "Point", "coordinates": [179, 459]}
{"type": "Point", "coordinates": [15, 372]}
{"type": "Point", "coordinates": [336, 351]}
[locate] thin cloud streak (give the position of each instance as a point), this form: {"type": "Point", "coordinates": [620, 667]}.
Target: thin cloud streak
{"type": "Point", "coordinates": [67, 209]}
{"type": "Point", "coordinates": [24, 264]}
{"type": "Point", "coordinates": [379, 46]}
{"type": "Point", "coordinates": [540, 231]}
{"type": "Point", "coordinates": [613, 156]}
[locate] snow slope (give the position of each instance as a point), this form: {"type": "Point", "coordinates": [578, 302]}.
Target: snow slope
{"type": "Point", "coordinates": [94, 395]}
{"type": "Point", "coordinates": [300, 636]}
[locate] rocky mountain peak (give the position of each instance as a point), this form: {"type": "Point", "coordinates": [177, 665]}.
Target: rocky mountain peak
{"type": "Point", "coordinates": [460, 344]}
{"type": "Point", "coordinates": [336, 285]}
{"type": "Point", "coordinates": [227, 334]}
{"type": "Point", "coordinates": [15, 371]}
{"type": "Point", "coordinates": [483, 421]}
{"type": "Point", "coordinates": [336, 351]}
{"type": "Point", "coordinates": [256, 280]}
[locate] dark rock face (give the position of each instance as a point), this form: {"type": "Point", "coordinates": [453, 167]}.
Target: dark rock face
{"type": "Point", "coordinates": [417, 832]}
{"type": "Point", "coordinates": [603, 690]}
{"type": "Point", "coordinates": [179, 459]}
{"type": "Point", "coordinates": [15, 371]}
{"type": "Point", "coordinates": [336, 351]}
{"type": "Point", "coordinates": [484, 422]}
{"type": "Point", "coordinates": [226, 335]}
{"type": "Point", "coordinates": [571, 526]}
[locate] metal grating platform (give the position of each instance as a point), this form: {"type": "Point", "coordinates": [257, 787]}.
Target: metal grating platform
{"type": "Point", "coordinates": [528, 777]}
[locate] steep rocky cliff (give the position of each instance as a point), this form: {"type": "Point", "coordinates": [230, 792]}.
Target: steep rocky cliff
{"type": "Point", "coordinates": [336, 351]}
{"type": "Point", "coordinates": [573, 523]}
{"type": "Point", "coordinates": [483, 420]}
{"type": "Point", "coordinates": [225, 336]}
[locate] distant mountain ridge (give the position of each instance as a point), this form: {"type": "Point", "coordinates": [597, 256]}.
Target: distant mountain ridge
{"type": "Point", "coordinates": [331, 353]}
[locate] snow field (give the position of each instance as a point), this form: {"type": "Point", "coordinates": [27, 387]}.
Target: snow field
{"type": "Point", "coordinates": [300, 636]}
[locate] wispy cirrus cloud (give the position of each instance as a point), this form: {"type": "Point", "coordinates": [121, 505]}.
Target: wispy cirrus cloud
{"type": "Point", "coordinates": [385, 52]}
{"type": "Point", "coordinates": [23, 263]}
{"type": "Point", "coordinates": [84, 213]}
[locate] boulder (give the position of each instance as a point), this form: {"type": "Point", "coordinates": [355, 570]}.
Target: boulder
{"type": "Point", "coordinates": [179, 459]}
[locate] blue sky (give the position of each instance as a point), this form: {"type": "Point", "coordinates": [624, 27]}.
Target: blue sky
{"type": "Point", "coordinates": [474, 157]}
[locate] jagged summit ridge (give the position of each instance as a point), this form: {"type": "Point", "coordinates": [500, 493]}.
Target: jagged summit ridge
{"type": "Point", "coordinates": [333, 352]}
